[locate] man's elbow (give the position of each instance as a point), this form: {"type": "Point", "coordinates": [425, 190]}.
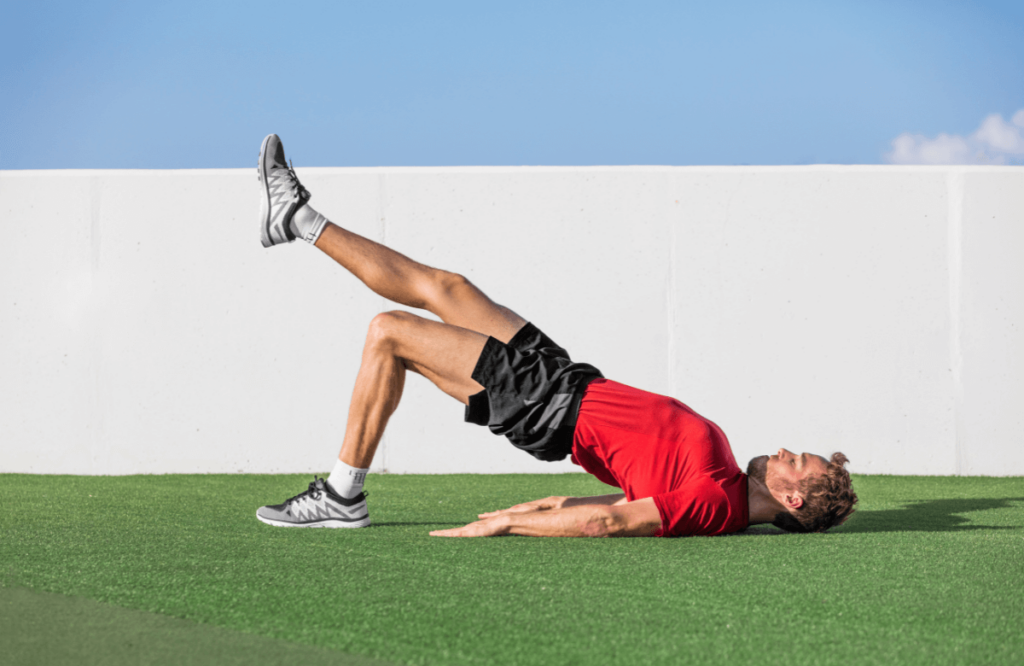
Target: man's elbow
{"type": "Point", "coordinates": [604, 522]}
{"type": "Point", "coordinates": [632, 520]}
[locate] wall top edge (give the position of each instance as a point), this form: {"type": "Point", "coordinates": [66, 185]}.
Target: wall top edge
{"type": "Point", "coordinates": [810, 168]}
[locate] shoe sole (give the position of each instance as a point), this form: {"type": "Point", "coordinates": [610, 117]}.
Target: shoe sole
{"type": "Point", "coordinates": [333, 523]}
{"type": "Point", "coordinates": [261, 170]}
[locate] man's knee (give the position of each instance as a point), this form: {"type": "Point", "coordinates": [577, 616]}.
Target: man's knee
{"type": "Point", "coordinates": [449, 286]}
{"type": "Point", "coordinates": [386, 329]}
{"type": "Point", "coordinates": [454, 281]}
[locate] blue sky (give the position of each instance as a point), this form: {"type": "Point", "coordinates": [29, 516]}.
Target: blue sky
{"type": "Point", "coordinates": [198, 85]}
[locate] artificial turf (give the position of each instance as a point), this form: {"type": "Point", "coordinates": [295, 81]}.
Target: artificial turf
{"type": "Point", "coordinates": [930, 570]}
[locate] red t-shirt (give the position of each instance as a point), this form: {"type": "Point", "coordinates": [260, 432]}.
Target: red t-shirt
{"type": "Point", "coordinates": [650, 445]}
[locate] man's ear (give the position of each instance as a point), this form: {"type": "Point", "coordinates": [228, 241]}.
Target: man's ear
{"type": "Point", "coordinates": [792, 501]}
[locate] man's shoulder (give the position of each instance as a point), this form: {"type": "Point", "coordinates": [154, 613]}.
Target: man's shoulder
{"type": "Point", "coordinates": [707, 505]}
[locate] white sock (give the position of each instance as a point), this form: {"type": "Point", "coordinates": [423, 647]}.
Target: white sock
{"type": "Point", "coordinates": [308, 224]}
{"type": "Point", "coordinates": [346, 480]}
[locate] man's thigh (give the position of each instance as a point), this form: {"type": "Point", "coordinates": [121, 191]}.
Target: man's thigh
{"type": "Point", "coordinates": [444, 354]}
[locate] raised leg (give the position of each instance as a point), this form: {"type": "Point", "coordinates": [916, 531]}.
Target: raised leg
{"type": "Point", "coordinates": [444, 353]}
{"type": "Point", "coordinates": [398, 341]}
{"type": "Point", "coordinates": [396, 277]}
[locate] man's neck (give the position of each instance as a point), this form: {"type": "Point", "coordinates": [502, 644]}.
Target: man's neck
{"type": "Point", "coordinates": [763, 506]}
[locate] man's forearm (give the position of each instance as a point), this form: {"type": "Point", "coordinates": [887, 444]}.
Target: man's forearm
{"type": "Point", "coordinates": [605, 500]}
{"type": "Point", "coordinates": [605, 519]}
{"type": "Point", "coordinates": [587, 520]}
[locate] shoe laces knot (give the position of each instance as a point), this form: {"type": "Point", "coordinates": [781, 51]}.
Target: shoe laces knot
{"type": "Point", "coordinates": [314, 491]}
{"type": "Point", "coordinates": [301, 191]}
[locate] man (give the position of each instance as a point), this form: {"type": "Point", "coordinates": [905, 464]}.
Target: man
{"type": "Point", "coordinates": [675, 468]}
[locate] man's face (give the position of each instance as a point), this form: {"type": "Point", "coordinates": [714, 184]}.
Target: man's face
{"type": "Point", "coordinates": [789, 469]}
{"type": "Point", "coordinates": [784, 471]}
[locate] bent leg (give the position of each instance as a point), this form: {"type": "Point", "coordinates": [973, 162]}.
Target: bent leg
{"type": "Point", "coordinates": [396, 342]}
{"type": "Point", "coordinates": [396, 277]}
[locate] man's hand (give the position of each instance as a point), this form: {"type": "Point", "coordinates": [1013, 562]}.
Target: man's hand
{"type": "Point", "coordinates": [494, 526]}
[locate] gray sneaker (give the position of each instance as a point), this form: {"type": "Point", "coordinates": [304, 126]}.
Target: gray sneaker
{"type": "Point", "coordinates": [319, 506]}
{"type": "Point", "coordinates": [281, 195]}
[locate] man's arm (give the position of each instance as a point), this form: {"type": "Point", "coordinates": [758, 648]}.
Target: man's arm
{"type": "Point", "coordinates": [638, 518]}
{"type": "Point", "coordinates": [611, 500]}
{"type": "Point", "coordinates": [558, 502]}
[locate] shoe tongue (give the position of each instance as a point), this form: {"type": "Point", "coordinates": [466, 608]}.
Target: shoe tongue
{"type": "Point", "coordinates": [279, 155]}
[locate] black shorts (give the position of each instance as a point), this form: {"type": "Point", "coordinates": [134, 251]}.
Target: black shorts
{"type": "Point", "coordinates": [532, 393]}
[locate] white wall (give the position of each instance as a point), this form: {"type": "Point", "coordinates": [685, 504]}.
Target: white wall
{"type": "Point", "coordinates": [873, 310]}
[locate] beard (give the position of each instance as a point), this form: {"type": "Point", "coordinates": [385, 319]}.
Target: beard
{"type": "Point", "coordinates": [757, 468]}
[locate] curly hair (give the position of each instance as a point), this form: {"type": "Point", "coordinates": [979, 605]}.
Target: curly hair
{"type": "Point", "coordinates": [828, 500]}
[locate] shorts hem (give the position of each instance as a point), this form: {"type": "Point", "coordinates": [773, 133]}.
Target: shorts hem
{"type": "Point", "coordinates": [478, 409]}
{"type": "Point", "coordinates": [526, 331]}
{"type": "Point", "coordinates": [486, 354]}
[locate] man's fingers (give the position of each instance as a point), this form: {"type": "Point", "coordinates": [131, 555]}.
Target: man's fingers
{"type": "Point", "coordinates": [480, 528]}
{"type": "Point", "coordinates": [489, 514]}
{"type": "Point", "coordinates": [446, 533]}
{"type": "Point", "coordinates": [518, 508]}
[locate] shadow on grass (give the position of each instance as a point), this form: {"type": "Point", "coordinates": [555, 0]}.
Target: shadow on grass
{"type": "Point", "coordinates": [391, 523]}
{"type": "Point", "coordinates": [942, 515]}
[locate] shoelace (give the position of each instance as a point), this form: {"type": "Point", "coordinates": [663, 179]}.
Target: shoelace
{"type": "Point", "coordinates": [303, 193]}
{"type": "Point", "coordinates": [314, 491]}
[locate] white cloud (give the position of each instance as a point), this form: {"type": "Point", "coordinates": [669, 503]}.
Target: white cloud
{"type": "Point", "coordinates": [996, 141]}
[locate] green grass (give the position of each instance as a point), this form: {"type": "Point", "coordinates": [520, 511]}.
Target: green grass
{"type": "Point", "coordinates": [44, 628]}
{"type": "Point", "coordinates": [930, 570]}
